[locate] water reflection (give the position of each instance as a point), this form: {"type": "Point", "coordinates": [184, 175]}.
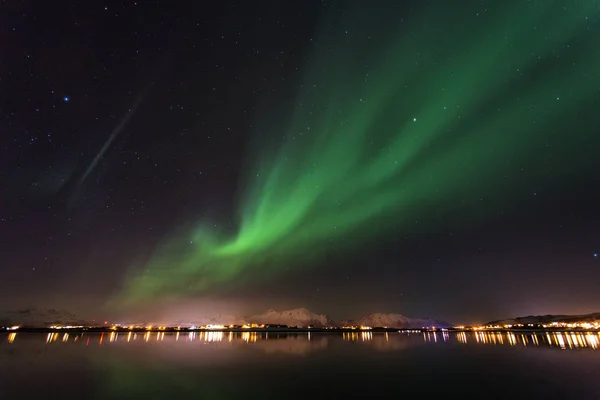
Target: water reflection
{"type": "Point", "coordinates": [304, 342]}
{"type": "Point", "coordinates": [222, 365]}
{"type": "Point", "coordinates": [561, 340]}
{"type": "Point", "coordinates": [249, 337]}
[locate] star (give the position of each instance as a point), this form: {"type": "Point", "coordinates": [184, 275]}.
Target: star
{"type": "Point", "coordinates": [66, 99]}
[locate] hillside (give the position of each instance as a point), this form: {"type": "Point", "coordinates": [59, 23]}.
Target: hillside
{"type": "Point", "coordinates": [545, 319]}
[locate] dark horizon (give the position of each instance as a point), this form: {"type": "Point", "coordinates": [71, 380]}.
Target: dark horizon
{"type": "Point", "coordinates": [179, 316]}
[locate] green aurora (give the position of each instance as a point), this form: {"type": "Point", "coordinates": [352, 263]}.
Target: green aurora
{"type": "Point", "coordinates": [401, 121]}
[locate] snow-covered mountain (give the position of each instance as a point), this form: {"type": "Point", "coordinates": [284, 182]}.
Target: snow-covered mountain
{"type": "Point", "coordinates": [400, 321]}
{"type": "Point", "coordinates": [36, 317]}
{"type": "Point", "coordinates": [300, 317]}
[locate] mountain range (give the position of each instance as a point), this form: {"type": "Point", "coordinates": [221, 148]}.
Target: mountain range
{"type": "Point", "coordinates": [299, 317]}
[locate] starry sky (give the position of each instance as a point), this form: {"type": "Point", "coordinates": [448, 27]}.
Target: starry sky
{"type": "Point", "coordinates": [423, 158]}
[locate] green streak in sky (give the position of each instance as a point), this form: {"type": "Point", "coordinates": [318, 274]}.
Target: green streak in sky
{"type": "Point", "coordinates": [401, 116]}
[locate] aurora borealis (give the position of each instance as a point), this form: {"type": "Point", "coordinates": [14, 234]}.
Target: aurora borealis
{"type": "Point", "coordinates": [402, 120]}
{"type": "Point", "coordinates": [426, 158]}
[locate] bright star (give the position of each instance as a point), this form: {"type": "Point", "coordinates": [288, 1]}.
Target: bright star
{"type": "Point", "coordinates": [596, 255]}
{"type": "Point", "coordinates": [414, 120]}
{"type": "Point", "coordinates": [66, 99]}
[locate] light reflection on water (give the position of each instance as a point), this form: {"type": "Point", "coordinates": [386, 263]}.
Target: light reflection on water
{"type": "Point", "coordinates": [557, 340]}
{"type": "Point", "coordinates": [223, 365]}
{"type": "Point", "coordinates": [562, 340]}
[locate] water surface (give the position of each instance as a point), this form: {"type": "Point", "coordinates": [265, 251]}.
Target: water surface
{"type": "Point", "coordinates": [221, 365]}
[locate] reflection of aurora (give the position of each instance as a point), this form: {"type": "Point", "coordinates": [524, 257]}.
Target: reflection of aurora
{"type": "Point", "coordinates": [404, 128]}
{"type": "Point", "coordinates": [130, 378]}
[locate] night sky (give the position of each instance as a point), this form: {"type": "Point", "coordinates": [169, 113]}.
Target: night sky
{"type": "Point", "coordinates": [419, 157]}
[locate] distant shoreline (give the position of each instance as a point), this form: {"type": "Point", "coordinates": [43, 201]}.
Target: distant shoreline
{"type": "Point", "coordinates": [291, 330]}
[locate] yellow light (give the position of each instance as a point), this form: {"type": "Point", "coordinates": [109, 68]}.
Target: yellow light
{"type": "Point", "coordinates": [581, 340]}
{"type": "Point", "coordinates": [592, 341]}
{"type": "Point", "coordinates": [214, 336]}
{"type": "Point", "coordinates": [569, 342]}
{"type": "Point", "coordinates": [560, 340]}
{"type": "Point", "coordinates": [249, 336]}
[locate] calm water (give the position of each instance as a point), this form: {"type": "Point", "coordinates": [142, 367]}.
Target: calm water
{"type": "Point", "coordinates": [218, 365]}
